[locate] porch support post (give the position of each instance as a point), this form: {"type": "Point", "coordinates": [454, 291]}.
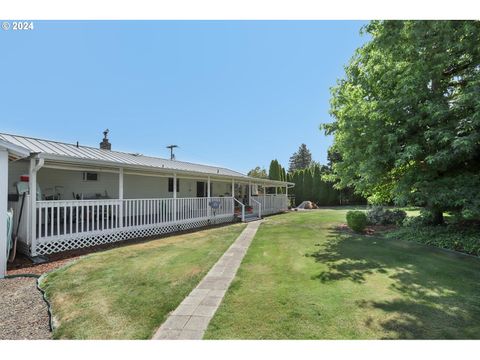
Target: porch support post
{"type": "Point", "coordinates": [120, 197]}
{"type": "Point", "coordinates": [249, 193]}
{"type": "Point", "coordinates": [32, 184]}
{"type": "Point", "coordinates": [233, 188]}
{"type": "Point", "coordinates": [3, 211]}
{"type": "Point", "coordinates": [174, 197]}
{"type": "Point", "coordinates": [276, 190]}
{"type": "Point", "coordinates": [208, 197]}
{"type": "Point", "coordinates": [286, 197]}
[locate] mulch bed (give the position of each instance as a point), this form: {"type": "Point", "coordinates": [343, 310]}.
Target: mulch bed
{"type": "Point", "coordinates": [369, 230]}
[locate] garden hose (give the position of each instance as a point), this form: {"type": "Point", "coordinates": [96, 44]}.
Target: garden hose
{"type": "Point", "coordinates": [49, 309]}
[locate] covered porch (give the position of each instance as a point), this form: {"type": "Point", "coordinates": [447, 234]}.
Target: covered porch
{"type": "Point", "coordinates": [80, 205]}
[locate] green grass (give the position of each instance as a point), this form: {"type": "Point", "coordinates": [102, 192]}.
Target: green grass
{"type": "Point", "coordinates": [303, 279]}
{"type": "Point", "coordinates": [127, 292]}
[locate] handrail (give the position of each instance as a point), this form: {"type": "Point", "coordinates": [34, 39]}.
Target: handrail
{"type": "Point", "coordinates": [243, 209]}
{"type": "Point", "coordinates": [259, 207]}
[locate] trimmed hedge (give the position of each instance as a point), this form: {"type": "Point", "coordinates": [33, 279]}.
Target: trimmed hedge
{"type": "Point", "coordinates": [356, 220]}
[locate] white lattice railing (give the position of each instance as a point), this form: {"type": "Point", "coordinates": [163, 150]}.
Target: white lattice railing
{"type": "Point", "coordinates": [272, 204]}
{"type": "Point", "coordinates": [65, 218]}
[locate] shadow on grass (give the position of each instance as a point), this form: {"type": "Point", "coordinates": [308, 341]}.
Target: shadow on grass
{"type": "Point", "coordinates": [439, 294]}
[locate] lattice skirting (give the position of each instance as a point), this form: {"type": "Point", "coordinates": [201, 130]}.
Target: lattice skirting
{"type": "Point", "coordinates": [271, 211]}
{"type": "Point", "coordinates": [77, 241]}
{"type": "Point", "coordinates": [23, 248]}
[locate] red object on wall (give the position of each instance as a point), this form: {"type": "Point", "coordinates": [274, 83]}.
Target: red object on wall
{"type": "Point", "coordinates": [24, 178]}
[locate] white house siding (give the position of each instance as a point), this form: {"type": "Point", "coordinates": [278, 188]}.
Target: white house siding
{"type": "Point", "coordinates": [145, 187]}
{"type": "Point", "coordinates": [187, 188]}
{"type": "Point", "coordinates": [15, 169]}
{"type": "Point", "coordinates": [72, 182]}
{"type": "Point", "coordinates": [221, 189]}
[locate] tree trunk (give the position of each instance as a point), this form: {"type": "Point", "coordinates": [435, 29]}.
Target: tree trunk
{"type": "Point", "coordinates": [437, 217]}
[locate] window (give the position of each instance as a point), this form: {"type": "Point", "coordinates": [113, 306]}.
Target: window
{"type": "Point", "coordinates": [170, 185]}
{"type": "Point", "coordinates": [90, 176]}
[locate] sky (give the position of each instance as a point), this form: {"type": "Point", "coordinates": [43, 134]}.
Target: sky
{"type": "Point", "coordinates": [235, 94]}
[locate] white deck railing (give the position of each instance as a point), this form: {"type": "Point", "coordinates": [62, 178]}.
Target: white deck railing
{"type": "Point", "coordinates": [69, 224]}
{"type": "Point", "coordinates": [256, 207]}
{"type": "Point", "coordinates": [57, 218]}
{"type": "Point", "coordinates": [64, 218]}
{"type": "Point", "coordinates": [271, 204]}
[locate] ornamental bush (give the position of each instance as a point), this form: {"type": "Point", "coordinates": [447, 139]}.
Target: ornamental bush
{"type": "Point", "coordinates": [397, 216]}
{"type": "Point", "coordinates": [378, 215]}
{"type": "Point", "coordinates": [356, 220]}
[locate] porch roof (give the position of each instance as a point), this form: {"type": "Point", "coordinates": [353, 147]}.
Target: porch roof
{"type": "Point", "coordinates": [15, 152]}
{"type": "Point", "coordinates": [86, 155]}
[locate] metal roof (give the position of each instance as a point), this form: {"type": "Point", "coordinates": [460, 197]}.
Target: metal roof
{"type": "Point", "coordinates": [55, 150]}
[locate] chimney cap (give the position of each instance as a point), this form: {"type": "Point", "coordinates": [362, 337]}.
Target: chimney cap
{"type": "Point", "coordinates": [105, 144]}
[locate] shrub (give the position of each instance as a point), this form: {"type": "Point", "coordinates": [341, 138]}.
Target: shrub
{"type": "Point", "coordinates": [397, 216]}
{"type": "Point", "coordinates": [424, 219]}
{"type": "Point", "coordinates": [458, 237]}
{"type": "Point", "coordinates": [356, 220]}
{"type": "Point", "coordinates": [378, 215]}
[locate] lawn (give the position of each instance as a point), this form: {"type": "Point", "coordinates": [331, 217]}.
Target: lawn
{"type": "Point", "coordinates": [127, 292]}
{"type": "Point", "coordinates": [304, 279]}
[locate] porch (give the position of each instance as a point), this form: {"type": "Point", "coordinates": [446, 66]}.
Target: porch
{"type": "Point", "coordinates": [71, 212]}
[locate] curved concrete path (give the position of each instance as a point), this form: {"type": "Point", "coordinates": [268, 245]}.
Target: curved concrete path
{"type": "Point", "coordinates": [191, 318]}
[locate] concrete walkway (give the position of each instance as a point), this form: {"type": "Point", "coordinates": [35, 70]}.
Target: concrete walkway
{"type": "Point", "coordinates": [191, 318]}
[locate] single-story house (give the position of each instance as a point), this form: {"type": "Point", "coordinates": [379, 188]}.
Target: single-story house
{"type": "Point", "coordinates": [86, 196]}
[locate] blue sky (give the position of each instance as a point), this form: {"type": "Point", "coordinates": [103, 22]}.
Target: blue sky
{"type": "Point", "coordinates": [235, 94]}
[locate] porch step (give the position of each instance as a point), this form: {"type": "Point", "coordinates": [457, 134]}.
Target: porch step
{"type": "Point", "coordinates": [249, 218]}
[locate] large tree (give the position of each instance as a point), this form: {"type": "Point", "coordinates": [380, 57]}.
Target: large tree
{"type": "Point", "coordinates": [407, 116]}
{"type": "Point", "coordinates": [301, 159]}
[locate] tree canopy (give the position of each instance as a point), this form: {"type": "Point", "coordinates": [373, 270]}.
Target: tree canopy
{"type": "Point", "coordinates": [258, 172]}
{"type": "Point", "coordinates": [301, 159]}
{"type": "Point", "coordinates": [407, 116]}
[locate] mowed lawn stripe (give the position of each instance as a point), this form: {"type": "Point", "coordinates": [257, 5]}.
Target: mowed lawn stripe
{"type": "Point", "coordinates": [127, 292]}
{"type": "Point", "coordinates": [304, 279]}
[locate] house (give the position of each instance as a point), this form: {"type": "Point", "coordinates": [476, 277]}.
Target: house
{"type": "Point", "coordinates": [86, 196]}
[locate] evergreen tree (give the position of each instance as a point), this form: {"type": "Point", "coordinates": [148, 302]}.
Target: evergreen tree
{"type": "Point", "coordinates": [307, 184]}
{"type": "Point", "coordinates": [317, 184]}
{"type": "Point", "coordinates": [274, 170]}
{"type": "Point", "coordinates": [301, 159]}
{"type": "Point", "coordinates": [299, 194]}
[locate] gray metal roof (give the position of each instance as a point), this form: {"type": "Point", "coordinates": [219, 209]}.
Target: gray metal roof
{"type": "Point", "coordinates": [49, 147]}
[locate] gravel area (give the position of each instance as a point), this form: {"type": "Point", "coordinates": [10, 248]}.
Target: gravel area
{"type": "Point", "coordinates": [23, 313]}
